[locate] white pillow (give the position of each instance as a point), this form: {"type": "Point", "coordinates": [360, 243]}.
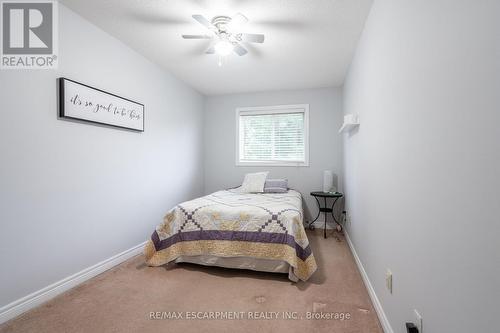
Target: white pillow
{"type": "Point", "coordinates": [254, 182]}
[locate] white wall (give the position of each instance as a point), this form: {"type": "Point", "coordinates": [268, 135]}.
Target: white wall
{"type": "Point", "coordinates": [325, 118]}
{"type": "Point", "coordinates": [73, 194]}
{"type": "Point", "coordinates": [422, 173]}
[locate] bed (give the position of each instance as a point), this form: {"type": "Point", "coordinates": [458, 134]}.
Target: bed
{"type": "Point", "coordinates": [262, 231]}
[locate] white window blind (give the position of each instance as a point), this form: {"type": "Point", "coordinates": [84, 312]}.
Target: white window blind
{"type": "Point", "coordinates": [273, 135]}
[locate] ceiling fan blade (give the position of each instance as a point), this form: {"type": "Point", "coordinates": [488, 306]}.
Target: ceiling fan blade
{"type": "Point", "coordinates": [204, 22]}
{"type": "Point", "coordinates": [252, 38]}
{"type": "Point", "coordinates": [197, 36]}
{"type": "Point", "coordinates": [239, 50]}
{"type": "Point", "coordinates": [237, 22]}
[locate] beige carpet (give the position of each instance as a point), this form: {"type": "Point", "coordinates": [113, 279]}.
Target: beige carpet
{"type": "Point", "coordinates": [120, 300]}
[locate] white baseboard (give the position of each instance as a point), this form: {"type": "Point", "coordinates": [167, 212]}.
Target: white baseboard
{"type": "Point", "coordinates": [32, 300]}
{"type": "Point", "coordinates": [376, 303]}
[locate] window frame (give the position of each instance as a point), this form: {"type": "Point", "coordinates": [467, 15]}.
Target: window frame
{"type": "Point", "coordinates": [266, 110]}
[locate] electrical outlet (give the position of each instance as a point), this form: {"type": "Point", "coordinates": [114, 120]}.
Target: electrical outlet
{"type": "Point", "coordinates": [418, 320]}
{"type": "Point", "coordinates": [347, 218]}
{"type": "Point", "coordinates": [388, 280]}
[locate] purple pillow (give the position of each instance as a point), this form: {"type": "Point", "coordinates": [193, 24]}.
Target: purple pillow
{"type": "Point", "coordinates": [276, 186]}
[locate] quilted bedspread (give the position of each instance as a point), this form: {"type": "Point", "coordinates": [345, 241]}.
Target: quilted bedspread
{"type": "Point", "coordinates": [232, 224]}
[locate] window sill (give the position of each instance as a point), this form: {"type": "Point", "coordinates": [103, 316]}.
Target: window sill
{"type": "Point", "coordinates": [275, 164]}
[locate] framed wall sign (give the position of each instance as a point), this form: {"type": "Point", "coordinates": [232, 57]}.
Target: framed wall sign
{"type": "Point", "coordinates": [82, 102]}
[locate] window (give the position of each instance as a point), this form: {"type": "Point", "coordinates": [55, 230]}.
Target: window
{"type": "Point", "coordinates": [273, 135]}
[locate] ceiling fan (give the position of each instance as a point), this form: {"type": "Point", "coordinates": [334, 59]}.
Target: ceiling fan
{"type": "Point", "coordinates": [225, 33]}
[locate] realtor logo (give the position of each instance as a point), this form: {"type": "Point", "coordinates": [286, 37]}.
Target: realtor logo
{"type": "Point", "coordinates": [29, 34]}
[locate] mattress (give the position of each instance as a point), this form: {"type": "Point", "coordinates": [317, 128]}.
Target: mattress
{"type": "Point", "coordinates": [229, 224]}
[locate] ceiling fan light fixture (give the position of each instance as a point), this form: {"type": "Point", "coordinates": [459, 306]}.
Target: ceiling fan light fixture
{"type": "Point", "coordinates": [223, 48]}
{"type": "Point", "coordinates": [226, 35]}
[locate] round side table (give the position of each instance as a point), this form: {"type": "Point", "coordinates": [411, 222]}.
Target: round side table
{"type": "Point", "coordinates": [325, 209]}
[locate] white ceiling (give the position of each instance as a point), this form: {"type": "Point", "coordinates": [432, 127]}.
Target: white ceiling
{"type": "Point", "coordinates": [309, 43]}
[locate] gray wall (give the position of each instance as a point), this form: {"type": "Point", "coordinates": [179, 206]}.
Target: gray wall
{"type": "Point", "coordinates": [325, 118]}
{"type": "Point", "coordinates": [74, 194]}
{"type": "Point", "coordinates": [422, 172]}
